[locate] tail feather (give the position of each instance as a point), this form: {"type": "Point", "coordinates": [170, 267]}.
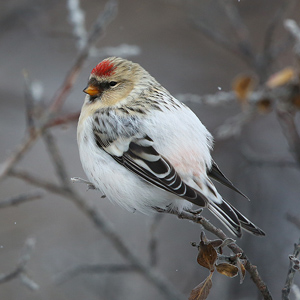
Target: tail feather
{"type": "Point", "coordinates": [224, 212]}
{"type": "Point", "coordinates": [247, 224]}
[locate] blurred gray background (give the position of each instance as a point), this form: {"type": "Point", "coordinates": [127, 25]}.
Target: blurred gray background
{"type": "Point", "coordinates": [36, 35]}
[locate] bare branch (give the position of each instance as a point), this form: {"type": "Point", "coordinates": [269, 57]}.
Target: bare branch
{"type": "Point", "coordinates": [92, 269]}
{"type": "Point", "coordinates": [286, 118]}
{"type": "Point", "coordinates": [252, 270]}
{"type": "Point", "coordinates": [61, 94]}
{"type": "Point", "coordinates": [240, 30]}
{"type": "Point", "coordinates": [294, 219]}
{"type": "Point", "coordinates": [97, 30]}
{"type": "Point", "coordinates": [20, 199]}
{"type": "Point", "coordinates": [63, 120]}
{"type": "Point", "coordinates": [291, 273]}
{"type": "Point", "coordinates": [37, 181]}
{"type": "Point", "coordinates": [153, 276]}
{"type": "Point", "coordinates": [152, 246]}
{"type": "Point", "coordinates": [77, 20]}
{"type": "Point", "coordinates": [123, 50]}
{"type": "Point", "coordinates": [20, 270]}
{"type": "Point", "coordinates": [294, 29]}
{"type": "Point", "coordinates": [56, 157]}
{"type": "Point", "coordinates": [271, 51]}
{"type": "Point", "coordinates": [220, 98]}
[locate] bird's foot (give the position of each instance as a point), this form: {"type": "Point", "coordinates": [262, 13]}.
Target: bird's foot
{"type": "Point", "coordinates": [90, 186]}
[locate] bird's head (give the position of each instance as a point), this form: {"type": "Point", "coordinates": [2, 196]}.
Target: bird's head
{"type": "Point", "coordinates": [111, 81]}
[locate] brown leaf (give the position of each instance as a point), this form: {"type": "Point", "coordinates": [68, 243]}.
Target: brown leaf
{"type": "Point", "coordinates": [296, 101]}
{"type": "Point", "coordinates": [207, 256]}
{"type": "Point", "coordinates": [264, 105]}
{"type": "Point", "coordinates": [201, 291]}
{"type": "Point", "coordinates": [280, 78]}
{"type": "Point", "coordinates": [227, 269]}
{"type": "Point", "coordinates": [243, 85]}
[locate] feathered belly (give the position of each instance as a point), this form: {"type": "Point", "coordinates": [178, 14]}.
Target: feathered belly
{"type": "Point", "coordinates": [122, 186]}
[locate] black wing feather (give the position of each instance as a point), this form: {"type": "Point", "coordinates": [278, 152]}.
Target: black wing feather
{"type": "Point", "coordinates": [143, 160]}
{"type": "Point", "coordinates": [216, 174]}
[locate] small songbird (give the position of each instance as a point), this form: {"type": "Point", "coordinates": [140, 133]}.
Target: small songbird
{"type": "Point", "coordinates": [146, 150]}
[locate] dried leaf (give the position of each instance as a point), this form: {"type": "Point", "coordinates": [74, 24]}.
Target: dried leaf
{"type": "Point", "coordinates": [207, 256]}
{"type": "Point", "coordinates": [296, 101]}
{"type": "Point", "coordinates": [227, 269]}
{"type": "Point", "coordinates": [243, 85]}
{"type": "Point", "coordinates": [201, 291]}
{"type": "Point", "coordinates": [242, 270]}
{"type": "Point", "coordinates": [216, 243]}
{"type": "Point", "coordinates": [264, 105]}
{"type": "Point", "coordinates": [280, 78]}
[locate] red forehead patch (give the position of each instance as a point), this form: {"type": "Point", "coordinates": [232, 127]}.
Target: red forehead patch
{"type": "Point", "coordinates": [105, 68]}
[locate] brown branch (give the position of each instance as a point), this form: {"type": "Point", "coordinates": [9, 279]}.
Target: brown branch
{"type": "Point", "coordinates": [56, 158]}
{"type": "Point", "coordinates": [291, 272]}
{"type": "Point", "coordinates": [98, 28]}
{"type": "Point", "coordinates": [286, 118]}
{"type": "Point", "coordinates": [60, 96]}
{"type": "Point", "coordinates": [153, 276]}
{"type": "Point", "coordinates": [63, 120]}
{"type": "Point", "coordinates": [252, 270]}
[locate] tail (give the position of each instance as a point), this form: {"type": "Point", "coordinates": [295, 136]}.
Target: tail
{"type": "Point", "coordinates": [233, 219]}
{"type": "Point", "coordinates": [247, 224]}
{"type": "Point", "coordinates": [224, 212]}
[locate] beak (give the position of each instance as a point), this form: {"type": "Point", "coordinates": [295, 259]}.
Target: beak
{"type": "Point", "coordinates": [92, 90]}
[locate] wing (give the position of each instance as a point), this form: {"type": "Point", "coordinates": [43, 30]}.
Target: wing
{"type": "Point", "coordinates": [140, 157]}
{"type": "Point", "coordinates": [217, 175]}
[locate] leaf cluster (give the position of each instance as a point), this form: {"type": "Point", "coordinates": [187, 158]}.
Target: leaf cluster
{"type": "Point", "coordinates": [211, 257]}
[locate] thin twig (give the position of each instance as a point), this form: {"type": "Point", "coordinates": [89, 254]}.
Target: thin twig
{"type": "Point", "coordinates": [270, 50]}
{"type": "Point", "coordinates": [61, 94]}
{"type": "Point", "coordinates": [294, 29]}
{"type": "Point", "coordinates": [20, 199]}
{"type": "Point", "coordinates": [20, 270]}
{"type": "Point", "coordinates": [240, 30]}
{"type": "Point", "coordinates": [37, 181]}
{"type": "Point", "coordinates": [252, 270]}
{"type": "Point", "coordinates": [98, 28]}
{"type": "Point", "coordinates": [152, 245]}
{"type": "Point", "coordinates": [286, 118]}
{"type": "Point", "coordinates": [56, 157]}
{"type": "Point", "coordinates": [63, 120]}
{"type": "Point", "coordinates": [294, 219]}
{"type": "Point", "coordinates": [291, 272]}
{"type": "Point", "coordinates": [153, 276]}
{"type": "Point", "coordinates": [93, 269]}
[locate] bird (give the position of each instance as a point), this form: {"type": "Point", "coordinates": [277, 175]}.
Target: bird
{"type": "Point", "coordinates": [146, 150]}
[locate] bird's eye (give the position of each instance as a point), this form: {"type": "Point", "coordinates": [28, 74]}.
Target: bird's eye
{"type": "Point", "coordinates": [113, 83]}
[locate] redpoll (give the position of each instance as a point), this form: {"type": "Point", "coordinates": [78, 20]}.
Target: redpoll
{"type": "Point", "coordinates": [146, 150]}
